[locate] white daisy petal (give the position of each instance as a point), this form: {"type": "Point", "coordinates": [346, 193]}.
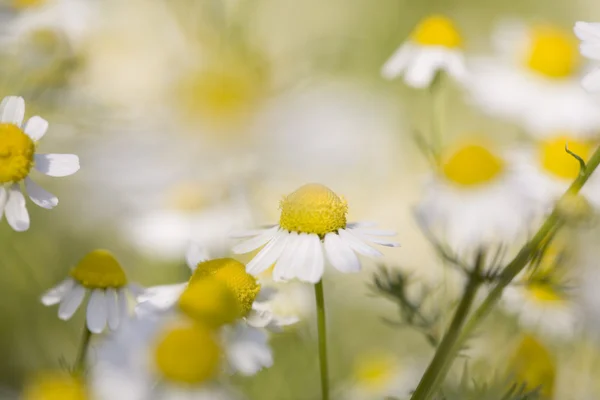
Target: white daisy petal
{"type": "Point", "coordinates": [3, 197]}
{"type": "Point", "coordinates": [376, 232]}
{"type": "Point", "coordinates": [256, 242]}
{"type": "Point", "coordinates": [315, 263]}
{"type": "Point", "coordinates": [396, 64]}
{"type": "Point", "coordinates": [36, 128]}
{"type": "Point", "coordinates": [57, 293]}
{"type": "Point", "coordinates": [12, 110]}
{"type": "Point", "coordinates": [112, 308]}
{"type": "Point", "coordinates": [123, 304]}
{"type": "Point", "coordinates": [57, 165]}
{"type": "Point", "coordinates": [136, 289]}
{"type": "Point", "coordinates": [340, 255]}
{"type": "Point", "coordinates": [282, 270]}
{"type": "Point", "coordinates": [269, 254]}
{"type": "Point", "coordinates": [161, 297]}
{"type": "Point", "coordinates": [195, 255]}
{"type": "Point", "coordinates": [71, 302]}
{"type": "Point", "coordinates": [358, 245]}
{"type": "Point", "coordinates": [97, 311]}
{"type": "Point", "coordinates": [40, 196]}
{"type": "Point", "coordinates": [248, 233]}
{"type": "Point", "coordinates": [376, 240]}
{"type": "Point", "coordinates": [304, 264]}
{"type": "Point", "coordinates": [590, 50]}
{"type": "Point", "coordinates": [16, 210]}
{"type": "Point", "coordinates": [587, 31]}
{"type": "Point", "coordinates": [591, 82]}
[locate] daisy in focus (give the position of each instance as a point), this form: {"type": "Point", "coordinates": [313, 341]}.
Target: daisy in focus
{"type": "Point", "coordinates": [589, 34]}
{"type": "Point", "coordinates": [474, 200]}
{"type": "Point", "coordinates": [434, 45]}
{"type": "Point", "coordinates": [18, 145]}
{"type": "Point", "coordinates": [100, 274]}
{"type": "Point", "coordinates": [542, 64]}
{"type": "Point", "coordinates": [312, 222]}
{"type": "Point", "coordinates": [54, 386]}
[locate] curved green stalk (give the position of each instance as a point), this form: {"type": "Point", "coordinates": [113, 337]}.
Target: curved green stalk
{"type": "Point", "coordinates": [323, 364]}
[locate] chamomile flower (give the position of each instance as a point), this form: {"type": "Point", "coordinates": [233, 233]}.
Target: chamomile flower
{"type": "Point", "coordinates": [18, 145]}
{"type": "Point", "coordinates": [589, 34]}
{"type": "Point", "coordinates": [100, 274]}
{"type": "Point", "coordinates": [312, 221]}
{"type": "Point", "coordinates": [542, 64]}
{"type": "Point", "coordinates": [533, 365]}
{"type": "Point", "coordinates": [55, 386]}
{"type": "Point", "coordinates": [474, 200]}
{"type": "Point", "coordinates": [435, 45]}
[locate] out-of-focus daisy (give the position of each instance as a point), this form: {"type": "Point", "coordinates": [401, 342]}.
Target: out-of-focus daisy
{"type": "Point", "coordinates": [54, 386]}
{"type": "Point", "coordinates": [435, 45]}
{"type": "Point", "coordinates": [534, 366]}
{"type": "Point", "coordinates": [546, 169]}
{"type": "Point", "coordinates": [541, 63]}
{"type": "Point", "coordinates": [474, 200]}
{"type": "Point", "coordinates": [18, 145]}
{"type": "Point", "coordinates": [312, 221]}
{"type": "Point", "coordinates": [589, 34]}
{"type": "Point", "coordinates": [100, 274]}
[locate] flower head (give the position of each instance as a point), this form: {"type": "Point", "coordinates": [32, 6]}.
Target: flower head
{"type": "Point", "coordinates": [55, 386]}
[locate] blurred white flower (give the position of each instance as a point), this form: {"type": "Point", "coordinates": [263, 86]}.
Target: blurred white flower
{"type": "Point", "coordinates": [312, 222]}
{"type": "Point", "coordinates": [533, 80]}
{"type": "Point", "coordinates": [18, 145]}
{"type": "Point", "coordinates": [589, 34]}
{"type": "Point", "coordinates": [435, 45]}
{"type": "Point", "coordinates": [100, 274]}
{"type": "Point", "coordinates": [475, 200]}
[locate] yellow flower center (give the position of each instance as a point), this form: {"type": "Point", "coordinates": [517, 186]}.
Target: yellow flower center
{"type": "Point", "coordinates": [55, 386]}
{"type": "Point", "coordinates": [210, 301]}
{"type": "Point", "coordinates": [558, 162]}
{"type": "Point", "coordinates": [437, 30]}
{"type": "Point", "coordinates": [553, 52]}
{"type": "Point", "coordinates": [233, 274]}
{"type": "Point", "coordinates": [99, 270]}
{"type": "Point", "coordinates": [472, 165]}
{"type": "Point", "coordinates": [313, 208]}
{"type": "Point", "coordinates": [22, 4]}
{"type": "Point", "coordinates": [533, 365]}
{"type": "Point", "coordinates": [187, 355]}
{"type": "Point", "coordinates": [376, 371]}
{"type": "Point", "coordinates": [544, 293]}
{"type": "Point", "coordinates": [16, 153]}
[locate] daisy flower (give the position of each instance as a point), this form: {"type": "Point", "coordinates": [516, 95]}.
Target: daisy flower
{"type": "Point", "coordinates": [534, 366]}
{"type": "Point", "coordinates": [474, 200]}
{"type": "Point", "coordinates": [100, 274]}
{"type": "Point", "coordinates": [18, 145]}
{"type": "Point", "coordinates": [589, 34]}
{"type": "Point", "coordinates": [542, 64]}
{"type": "Point", "coordinates": [312, 221]}
{"type": "Point", "coordinates": [435, 45]}
{"type": "Point", "coordinates": [55, 385]}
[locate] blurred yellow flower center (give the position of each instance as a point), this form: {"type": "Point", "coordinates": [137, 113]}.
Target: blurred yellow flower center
{"type": "Point", "coordinates": [99, 270]}
{"type": "Point", "coordinates": [55, 386]}
{"type": "Point", "coordinates": [553, 52]}
{"type": "Point", "coordinates": [210, 301]}
{"type": "Point", "coordinates": [437, 30]}
{"type": "Point", "coordinates": [558, 162]}
{"type": "Point", "coordinates": [543, 293]}
{"type": "Point", "coordinates": [187, 355]}
{"type": "Point", "coordinates": [533, 365]}
{"type": "Point", "coordinates": [375, 372]}
{"type": "Point", "coordinates": [22, 4]}
{"type": "Point", "coordinates": [472, 165]}
{"type": "Point", "coordinates": [233, 274]}
{"type": "Point", "coordinates": [313, 208]}
{"type": "Point", "coordinates": [16, 153]}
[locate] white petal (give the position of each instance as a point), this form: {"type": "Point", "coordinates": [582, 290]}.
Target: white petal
{"type": "Point", "coordinates": [358, 245]}
{"type": "Point", "coordinates": [36, 128]}
{"type": "Point", "coordinates": [136, 289]}
{"type": "Point", "coordinates": [397, 62]}
{"type": "Point", "coordinates": [256, 242]}
{"type": "Point", "coordinates": [248, 233]}
{"type": "Point", "coordinates": [12, 110]}
{"type": "Point", "coordinates": [16, 211]}
{"type": "Point", "coordinates": [58, 292]}
{"type": "Point", "coordinates": [112, 308]}
{"type": "Point", "coordinates": [3, 197]}
{"type": "Point", "coordinates": [591, 82]}
{"type": "Point", "coordinates": [269, 254]}
{"type": "Point", "coordinates": [376, 232]}
{"type": "Point", "coordinates": [314, 261]}
{"type": "Point", "coordinates": [590, 50]}
{"type": "Point", "coordinates": [71, 302]}
{"type": "Point", "coordinates": [587, 31]}
{"type": "Point", "coordinates": [281, 270]}
{"type": "Point", "coordinates": [123, 304]}
{"type": "Point", "coordinates": [97, 312]}
{"type": "Point", "coordinates": [301, 266]}
{"type": "Point", "coordinates": [423, 67]}
{"type": "Point", "coordinates": [161, 297]}
{"type": "Point", "coordinates": [340, 255]}
{"type": "Point", "coordinates": [57, 164]}
{"type": "Point", "coordinates": [195, 255]}
{"type": "Point", "coordinates": [40, 196]}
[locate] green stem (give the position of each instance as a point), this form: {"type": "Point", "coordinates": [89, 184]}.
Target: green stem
{"type": "Point", "coordinates": [552, 223]}
{"type": "Point", "coordinates": [437, 116]}
{"type": "Point", "coordinates": [79, 365]}
{"type": "Point", "coordinates": [322, 340]}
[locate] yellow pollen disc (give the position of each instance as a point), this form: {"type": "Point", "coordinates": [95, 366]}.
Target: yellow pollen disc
{"type": "Point", "coordinates": [187, 355]}
{"type": "Point", "coordinates": [16, 153]}
{"type": "Point", "coordinates": [558, 162]}
{"type": "Point", "coordinates": [210, 301]}
{"type": "Point", "coordinates": [375, 371]}
{"type": "Point", "coordinates": [55, 386]}
{"type": "Point", "coordinates": [99, 270]}
{"type": "Point", "coordinates": [533, 365]}
{"type": "Point", "coordinates": [472, 165]}
{"type": "Point", "coordinates": [233, 274]}
{"type": "Point", "coordinates": [553, 53]}
{"type": "Point", "coordinates": [313, 208]}
{"type": "Point", "coordinates": [437, 30]}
